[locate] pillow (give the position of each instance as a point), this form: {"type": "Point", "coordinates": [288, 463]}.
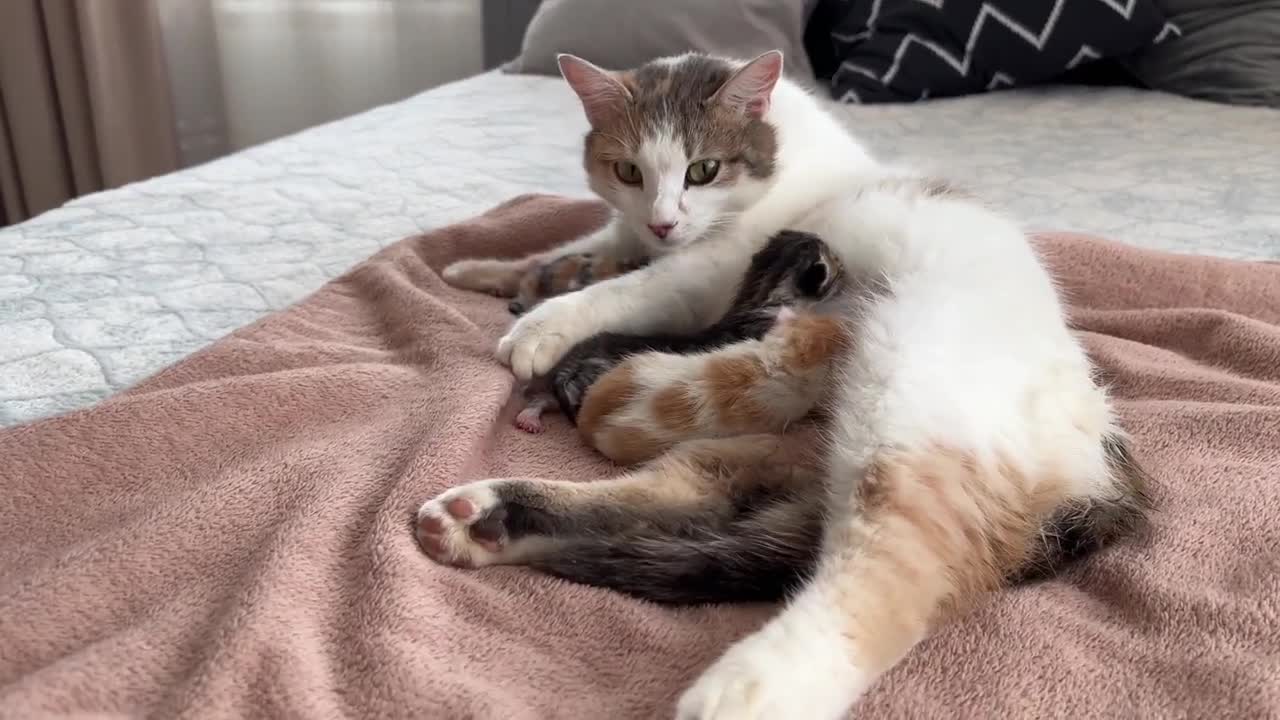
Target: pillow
{"type": "Point", "coordinates": [620, 34]}
{"type": "Point", "coordinates": [895, 51]}
{"type": "Point", "coordinates": [1229, 52]}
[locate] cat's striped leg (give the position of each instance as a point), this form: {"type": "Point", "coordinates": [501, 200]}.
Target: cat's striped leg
{"type": "Point", "coordinates": [713, 520]}
{"type": "Point", "coordinates": [653, 401]}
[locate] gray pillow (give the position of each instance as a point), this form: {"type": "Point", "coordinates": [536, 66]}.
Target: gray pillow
{"type": "Point", "coordinates": [1229, 52]}
{"type": "Point", "coordinates": [620, 34]}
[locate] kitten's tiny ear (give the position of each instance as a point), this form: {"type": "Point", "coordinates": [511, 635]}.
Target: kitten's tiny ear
{"type": "Point", "coordinates": [603, 96]}
{"type": "Point", "coordinates": [748, 90]}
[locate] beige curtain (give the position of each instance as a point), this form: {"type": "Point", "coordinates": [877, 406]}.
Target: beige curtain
{"type": "Point", "coordinates": [84, 101]}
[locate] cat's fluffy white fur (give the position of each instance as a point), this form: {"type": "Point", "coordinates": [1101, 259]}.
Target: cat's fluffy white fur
{"type": "Point", "coordinates": [966, 352]}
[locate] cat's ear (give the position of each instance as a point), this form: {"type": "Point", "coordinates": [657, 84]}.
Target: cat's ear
{"type": "Point", "coordinates": [749, 89]}
{"type": "Point", "coordinates": [602, 94]}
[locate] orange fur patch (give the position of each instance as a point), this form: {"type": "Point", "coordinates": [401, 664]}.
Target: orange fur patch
{"type": "Point", "coordinates": [812, 341]}
{"type": "Point", "coordinates": [933, 531]}
{"type": "Point", "coordinates": [977, 518]}
{"type": "Point", "coordinates": [609, 394]}
{"type": "Point", "coordinates": [628, 446]}
{"type": "Point", "coordinates": [730, 381]}
{"type": "Point", "coordinates": [566, 270]}
{"type": "Point", "coordinates": [676, 409]}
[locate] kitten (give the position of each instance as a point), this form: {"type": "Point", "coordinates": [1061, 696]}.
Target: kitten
{"type": "Point", "coordinates": [565, 274]}
{"type": "Point", "coordinates": [548, 279]}
{"type": "Point", "coordinates": [793, 267]}
{"type": "Point", "coordinates": [966, 443]}
{"type": "Point", "coordinates": [653, 402]}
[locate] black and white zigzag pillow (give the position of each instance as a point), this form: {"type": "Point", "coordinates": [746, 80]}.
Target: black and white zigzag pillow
{"type": "Point", "coordinates": [896, 50]}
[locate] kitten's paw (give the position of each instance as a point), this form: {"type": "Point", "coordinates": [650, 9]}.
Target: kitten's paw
{"type": "Point", "coordinates": [773, 674]}
{"type": "Point", "coordinates": [464, 526]}
{"type": "Point", "coordinates": [530, 420]}
{"type": "Point", "coordinates": [540, 338]}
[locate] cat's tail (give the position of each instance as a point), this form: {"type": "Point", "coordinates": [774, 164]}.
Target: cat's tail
{"type": "Point", "coordinates": [759, 556]}
{"type": "Point", "coordinates": [1083, 525]}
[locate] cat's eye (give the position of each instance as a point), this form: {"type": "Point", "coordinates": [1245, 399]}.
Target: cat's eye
{"type": "Point", "coordinates": [627, 172]}
{"type": "Point", "coordinates": [702, 172]}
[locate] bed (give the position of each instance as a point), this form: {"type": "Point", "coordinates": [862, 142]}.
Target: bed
{"type": "Point", "coordinates": [107, 290]}
{"type": "Point", "coordinates": [231, 535]}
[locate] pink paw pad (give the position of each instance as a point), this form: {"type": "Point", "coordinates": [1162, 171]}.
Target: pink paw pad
{"type": "Point", "coordinates": [430, 533]}
{"type": "Point", "coordinates": [530, 421]}
{"type": "Point", "coordinates": [430, 525]}
{"type": "Point", "coordinates": [461, 508]}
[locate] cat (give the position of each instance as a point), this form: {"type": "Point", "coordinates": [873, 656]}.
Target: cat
{"type": "Point", "coordinates": [965, 443]}
{"type": "Point", "coordinates": [790, 269]}
{"type": "Point", "coordinates": [967, 446]}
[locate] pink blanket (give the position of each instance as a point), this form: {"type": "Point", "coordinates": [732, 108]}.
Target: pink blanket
{"type": "Point", "coordinates": [232, 538]}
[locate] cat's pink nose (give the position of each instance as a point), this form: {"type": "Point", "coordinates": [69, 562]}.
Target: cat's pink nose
{"type": "Point", "coordinates": [661, 229]}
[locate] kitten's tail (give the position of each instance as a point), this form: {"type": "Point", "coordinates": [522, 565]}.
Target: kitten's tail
{"type": "Point", "coordinates": [759, 556]}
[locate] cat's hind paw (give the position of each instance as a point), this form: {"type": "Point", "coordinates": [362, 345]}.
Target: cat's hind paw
{"type": "Point", "coordinates": [463, 527]}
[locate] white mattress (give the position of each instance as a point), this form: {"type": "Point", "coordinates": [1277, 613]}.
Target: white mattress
{"type": "Point", "coordinates": [112, 287]}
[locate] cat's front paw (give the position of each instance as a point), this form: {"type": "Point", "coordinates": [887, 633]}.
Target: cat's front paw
{"type": "Point", "coordinates": [774, 674]}
{"type": "Point", "coordinates": [537, 341]}
{"type": "Point", "coordinates": [463, 526]}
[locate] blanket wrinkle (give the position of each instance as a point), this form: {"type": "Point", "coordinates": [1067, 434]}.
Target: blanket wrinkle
{"type": "Point", "coordinates": [232, 537]}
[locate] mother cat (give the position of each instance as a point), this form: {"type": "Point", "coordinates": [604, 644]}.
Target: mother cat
{"type": "Point", "coordinates": [967, 441]}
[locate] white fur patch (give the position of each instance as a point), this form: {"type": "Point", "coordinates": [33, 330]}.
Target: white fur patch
{"type": "Point", "coordinates": [796, 666]}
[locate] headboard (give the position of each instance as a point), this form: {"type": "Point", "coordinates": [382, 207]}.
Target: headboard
{"type": "Point", "coordinates": [504, 25]}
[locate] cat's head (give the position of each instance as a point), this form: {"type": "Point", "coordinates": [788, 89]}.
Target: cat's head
{"type": "Point", "coordinates": [679, 146]}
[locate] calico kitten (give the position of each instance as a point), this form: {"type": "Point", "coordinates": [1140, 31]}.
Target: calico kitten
{"type": "Point", "coordinates": [565, 274]}
{"type": "Point", "coordinates": [792, 268]}
{"type": "Point", "coordinates": [653, 402]}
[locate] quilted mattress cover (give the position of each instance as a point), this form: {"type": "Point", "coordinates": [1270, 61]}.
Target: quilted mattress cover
{"type": "Point", "coordinates": [106, 290]}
